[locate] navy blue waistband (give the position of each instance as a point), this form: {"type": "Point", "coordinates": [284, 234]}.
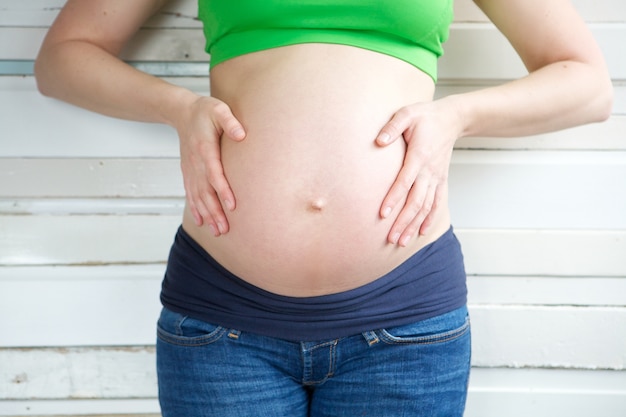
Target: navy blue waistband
{"type": "Point", "coordinates": [429, 283]}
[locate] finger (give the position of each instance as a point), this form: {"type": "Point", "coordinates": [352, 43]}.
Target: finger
{"type": "Point", "coordinates": [197, 217]}
{"type": "Point", "coordinates": [227, 122]}
{"type": "Point", "coordinates": [213, 214]}
{"type": "Point", "coordinates": [437, 203]}
{"type": "Point", "coordinates": [400, 232]}
{"type": "Point", "coordinates": [394, 128]}
{"type": "Point", "coordinates": [415, 225]}
{"type": "Point", "coordinates": [401, 187]}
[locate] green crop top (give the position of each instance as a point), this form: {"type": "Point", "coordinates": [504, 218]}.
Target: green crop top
{"type": "Point", "coordinates": [411, 30]}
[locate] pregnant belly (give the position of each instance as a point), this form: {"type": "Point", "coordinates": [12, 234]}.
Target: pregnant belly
{"type": "Point", "coordinates": [309, 182]}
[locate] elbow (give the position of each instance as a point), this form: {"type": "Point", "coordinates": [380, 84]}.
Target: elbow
{"type": "Point", "coordinates": [604, 100]}
{"type": "Point", "coordinates": [601, 101]}
{"type": "Point", "coordinates": [44, 84]}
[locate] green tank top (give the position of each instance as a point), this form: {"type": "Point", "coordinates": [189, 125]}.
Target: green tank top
{"type": "Point", "coordinates": [411, 30]}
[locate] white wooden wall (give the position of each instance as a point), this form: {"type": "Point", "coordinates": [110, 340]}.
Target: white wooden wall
{"type": "Point", "coordinates": [89, 206]}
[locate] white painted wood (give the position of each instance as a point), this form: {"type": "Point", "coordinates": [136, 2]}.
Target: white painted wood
{"type": "Point", "coordinates": [546, 393]}
{"type": "Point", "coordinates": [118, 305]}
{"type": "Point", "coordinates": [90, 177]}
{"type": "Point", "coordinates": [41, 13]}
{"type": "Point", "coordinates": [85, 240]}
{"type": "Point", "coordinates": [544, 252]}
{"type": "Point", "coordinates": [515, 189]}
{"type": "Point", "coordinates": [104, 239]}
{"type": "Point", "coordinates": [554, 337]}
{"type": "Point", "coordinates": [75, 306]}
{"type": "Point", "coordinates": [474, 50]}
{"type": "Point", "coordinates": [487, 189]}
{"type": "Point", "coordinates": [142, 407]}
{"type": "Point", "coordinates": [492, 393]}
{"type": "Point", "coordinates": [547, 291]}
{"type": "Point", "coordinates": [181, 13]}
{"type": "Point", "coordinates": [78, 373]}
{"type": "Point", "coordinates": [116, 206]}
{"type": "Point", "coordinates": [145, 278]}
{"type": "Point", "coordinates": [36, 126]}
{"type": "Point", "coordinates": [606, 136]}
{"type": "Point", "coordinates": [591, 10]}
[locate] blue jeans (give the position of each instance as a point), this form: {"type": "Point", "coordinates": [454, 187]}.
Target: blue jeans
{"type": "Point", "coordinates": [420, 369]}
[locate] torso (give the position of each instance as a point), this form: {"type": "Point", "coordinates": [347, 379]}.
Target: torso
{"type": "Point", "coordinates": [308, 179]}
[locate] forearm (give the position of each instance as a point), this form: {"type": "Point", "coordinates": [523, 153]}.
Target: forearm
{"type": "Point", "coordinates": [557, 96]}
{"type": "Point", "coordinates": [87, 76]}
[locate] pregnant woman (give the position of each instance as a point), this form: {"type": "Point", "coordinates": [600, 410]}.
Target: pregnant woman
{"type": "Point", "coordinates": [316, 272]}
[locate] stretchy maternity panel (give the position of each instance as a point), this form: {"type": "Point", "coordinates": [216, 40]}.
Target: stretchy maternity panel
{"type": "Point", "coordinates": [430, 283]}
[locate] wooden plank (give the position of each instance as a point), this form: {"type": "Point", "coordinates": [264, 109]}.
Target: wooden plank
{"type": "Point", "coordinates": [607, 136]}
{"type": "Point", "coordinates": [474, 50]}
{"type": "Point", "coordinates": [478, 51]}
{"type": "Point", "coordinates": [590, 10]}
{"type": "Point", "coordinates": [102, 206]}
{"type": "Point", "coordinates": [549, 337]}
{"type": "Point", "coordinates": [92, 308]}
{"type": "Point", "coordinates": [93, 373]}
{"type": "Point", "coordinates": [78, 373]}
{"type": "Point", "coordinates": [547, 291]}
{"type": "Point", "coordinates": [85, 240]}
{"type": "Point", "coordinates": [504, 189]}
{"type": "Point", "coordinates": [171, 44]}
{"type": "Point", "coordinates": [92, 304]}
{"type": "Point", "coordinates": [35, 126]}
{"type": "Point", "coordinates": [492, 393]}
{"type": "Point", "coordinates": [142, 407]}
{"type": "Point", "coordinates": [546, 393]}
{"type": "Point", "coordinates": [41, 13]}
{"type": "Point", "coordinates": [141, 283]}
{"type": "Point", "coordinates": [544, 252]}
{"type": "Point", "coordinates": [526, 194]}
{"type": "Point", "coordinates": [539, 189]}
{"type": "Point", "coordinates": [112, 305]}
{"type": "Point", "coordinates": [34, 240]}
{"type": "Point", "coordinates": [84, 178]}
{"type": "Point", "coordinates": [76, 317]}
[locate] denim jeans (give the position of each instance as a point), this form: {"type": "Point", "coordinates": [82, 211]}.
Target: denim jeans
{"type": "Point", "coordinates": [420, 369]}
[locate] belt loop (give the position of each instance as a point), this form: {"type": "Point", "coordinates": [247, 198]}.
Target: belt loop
{"type": "Point", "coordinates": [371, 338]}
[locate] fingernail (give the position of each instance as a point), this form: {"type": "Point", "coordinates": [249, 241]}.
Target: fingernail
{"type": "Point", "coordinates": [405, 241]}
{"type": "Point", "coordinates": [213, 230]}
{"type": "Point", "coordinates": [395, 237]}
{"type": "Point", "coordinates": [384, 138]}
{"type": "Point", "coordinates": [229, 204]}
{"type": "Point", "coordinates": [221, 227]}
{"type": "Point", "coordinates": [237, 133]}
{"type": "Point", "coordinates": [386, 212]}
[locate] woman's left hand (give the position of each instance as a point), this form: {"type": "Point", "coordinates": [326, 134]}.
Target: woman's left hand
{"type": "Point", "coordinates": [430, 130]}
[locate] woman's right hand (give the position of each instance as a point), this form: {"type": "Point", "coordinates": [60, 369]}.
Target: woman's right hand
{"type": "Point", "coordinates": [207, 191]}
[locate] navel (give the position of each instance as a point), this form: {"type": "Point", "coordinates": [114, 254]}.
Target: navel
{"type": "Point", "coordinates": [317, 205]}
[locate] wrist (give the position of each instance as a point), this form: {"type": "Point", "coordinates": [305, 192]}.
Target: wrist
{"type": "Point", "coordinates": [176, 111]}
{"type": "Point", "coordinates": [457, 114]}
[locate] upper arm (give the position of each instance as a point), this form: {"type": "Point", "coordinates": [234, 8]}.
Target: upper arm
{"type": "Point", "coordinates": [108, 24]}
{"type": "Point", "coordinates": [543, 31]}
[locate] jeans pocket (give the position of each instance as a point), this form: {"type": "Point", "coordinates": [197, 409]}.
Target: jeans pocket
{"type": "Point", "coordinates": [179, 329]}
{"type": "Point", "coordinates": [439, 329]}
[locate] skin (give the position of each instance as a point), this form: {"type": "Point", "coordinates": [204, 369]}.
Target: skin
{"type": "Point", "coordinates": [567, 85]}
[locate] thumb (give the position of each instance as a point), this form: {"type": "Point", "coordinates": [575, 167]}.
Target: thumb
{"type": "Point", "coordinates": [394, 128]}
